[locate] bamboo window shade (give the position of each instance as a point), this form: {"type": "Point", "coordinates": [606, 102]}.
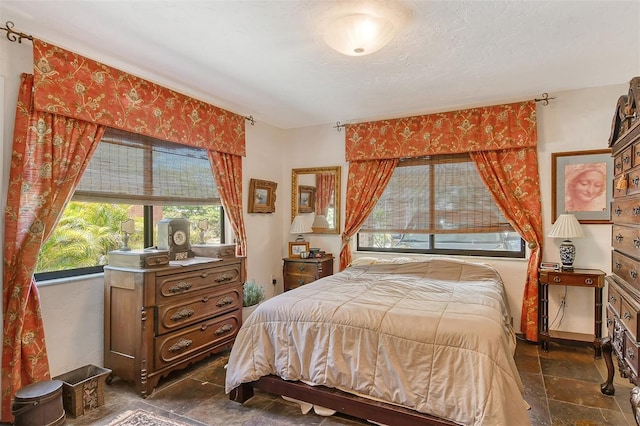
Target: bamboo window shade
{"type": "Point", "coordinates": [436, 195]}
{"type": "Point", "coordinates": [134, 169]}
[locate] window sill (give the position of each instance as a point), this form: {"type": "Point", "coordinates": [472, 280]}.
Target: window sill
{"type": "Point", "coordinates": [67, 280]}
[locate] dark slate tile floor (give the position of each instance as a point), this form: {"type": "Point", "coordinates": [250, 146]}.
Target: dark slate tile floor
{"type": "Point", "coordinates": [562, 386]}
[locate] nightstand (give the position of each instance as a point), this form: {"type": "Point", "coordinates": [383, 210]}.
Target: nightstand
{"type": "Point", "coordinates": [297, 271]}
{"type": "Point", "coordinates": [593, 278]}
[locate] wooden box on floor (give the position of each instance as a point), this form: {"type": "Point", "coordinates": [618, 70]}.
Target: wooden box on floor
{"type": "Point", "coordinates": [83, 389]}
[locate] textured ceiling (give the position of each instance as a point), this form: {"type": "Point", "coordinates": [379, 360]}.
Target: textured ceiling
{"type": "Point", "coordinates": [267, 58]}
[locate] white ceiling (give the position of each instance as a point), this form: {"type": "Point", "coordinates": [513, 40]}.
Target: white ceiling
{"type": "Point", "coordinates": [267, 58]}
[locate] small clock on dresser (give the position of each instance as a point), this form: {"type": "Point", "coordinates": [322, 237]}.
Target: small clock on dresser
{"type": "Point", "coordinates": [173, 235]}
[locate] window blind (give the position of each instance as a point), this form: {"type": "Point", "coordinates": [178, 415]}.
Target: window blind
{"type": "Point", "coordinates": [436, 195]}
{"type": "Point", "coordinates": [135, 169]}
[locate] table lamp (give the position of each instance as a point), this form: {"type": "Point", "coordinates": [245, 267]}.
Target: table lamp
{"type": "Point", "coordinates": [320, 222]}
{"type": "Point", "coordinates": [299, 227]}
{"type": "Point", "coordinates": [566, 227]}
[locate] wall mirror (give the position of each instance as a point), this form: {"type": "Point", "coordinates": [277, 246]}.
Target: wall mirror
{"type": "Point", "coordinates": [315, 195]}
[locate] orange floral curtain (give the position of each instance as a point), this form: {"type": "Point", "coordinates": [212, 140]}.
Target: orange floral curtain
{"type": "Point", "coordinates": [325, 183]}
{"type": "Point", "coordinates": [50, 153]}
{"type": "Point", "coordinates": [74, 86]}
{"type": "Point", "coordinates": [366, 183]}
{"type": "Point", "coordinates": [227, 170]}
{"type": "Point", "coordinates": [509, 176]}
{"type": "Point", "coordinates": [509, 130]}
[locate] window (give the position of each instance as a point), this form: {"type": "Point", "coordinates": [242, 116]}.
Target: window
{"type": "Point", "coordinates": [137, 177]}
{"type": "Point", "coordinates": [439, 205]}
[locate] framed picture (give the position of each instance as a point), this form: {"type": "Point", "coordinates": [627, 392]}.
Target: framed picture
{"type": "Point", "coordinates": [262, 196]}
{"type": "Point", "coordinates": [297, 247]}
{"type": "Point", "coordinates": [307, 199]}
{"type": "Point", "coordinates": [582, 184]}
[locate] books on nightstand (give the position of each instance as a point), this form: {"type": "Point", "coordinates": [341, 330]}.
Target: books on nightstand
{"type": "Point", "coordinates": [550, 266]}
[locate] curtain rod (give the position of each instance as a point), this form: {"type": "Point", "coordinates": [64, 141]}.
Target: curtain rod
{"type": "Point", "coordinates": [544, 99]}
{"type": "Point", "coordinates": [13, 35]}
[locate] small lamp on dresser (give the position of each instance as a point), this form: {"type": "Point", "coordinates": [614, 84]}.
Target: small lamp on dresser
{"type": "Point", "coordinates": [298, 226]}
{"type": "Point", "coordinates": [566, 227]}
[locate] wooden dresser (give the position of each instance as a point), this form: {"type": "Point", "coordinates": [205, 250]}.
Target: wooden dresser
{"type": "Point", "coordinates": [297, 271]}
{"type": "Point", "coordinates": [623, 303]}
{"type": "Point", "coordinates": [160, 319]}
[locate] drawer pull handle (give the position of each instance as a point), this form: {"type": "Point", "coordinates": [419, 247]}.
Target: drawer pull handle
{"type": "Point", "coordinates": [633, 273]}
{"type": "Point", "coordinates": [636, 243]}
{"type": "Point", "coordinates": [224, 329]}
{"type": "Point", "coordinates": [181, 314]}
{"type": "Point", "coordinates": [618, 166]}
{"type": "Point", "coordinates": [636, 210]}
{"type": "Point", "coordinates": [180, 345]}
{"type": "Point", "coordinates": [635, 180]}
{"type": "Point", "coordinates": [613, 299]}
{"type": "Point", "coordinates": [588, 281]}
{"type": "Point", "coordinates": [181, 286]}
{"type": "Point", "coordinates": [630, 353]}
{"type": "Point", "coordinates": [300, 281]}
{"type": "Point", "coordinates": [618, 265]}
{"type": "Point", "coordinates": [627, 316]}
{"type": "Point", "coordinates": [609, 322]}
{"type": "Point", "coordinates": [619, 237]}
{"type": "Point", "coordinates": [557, 279]}
{"type": "Point", "coordinates": [626, 159]}
{"type": "Point", "coordinates": [301, 268]}
{"type": "Point", "coordinates": [223, 278]}
{"type": "Point", "coordinates": [224, 301]}
{"type": "Point", "coordinates": [618, 211]}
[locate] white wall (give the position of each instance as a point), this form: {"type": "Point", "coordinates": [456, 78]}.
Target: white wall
{"type": "Point", "coordinates": [578, 120]}
{"type": "Point", "coordinates": [72, 310]}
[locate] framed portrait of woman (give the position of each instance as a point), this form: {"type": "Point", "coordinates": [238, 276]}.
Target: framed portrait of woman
{"type": "Point", "coordinates": [581, 184]}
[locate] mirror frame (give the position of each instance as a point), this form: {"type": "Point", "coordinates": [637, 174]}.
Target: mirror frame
{"type": "Point", "coordinates": [336, 196]}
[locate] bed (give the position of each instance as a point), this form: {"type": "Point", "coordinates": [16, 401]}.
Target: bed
{"type": "Point", "coordinates": [426, 342]}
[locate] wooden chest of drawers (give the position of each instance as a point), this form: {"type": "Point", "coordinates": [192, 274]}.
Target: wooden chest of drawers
{"type": "Point", "coordinates": [161, 319]}
{"type": "Point", "coordinates": [298, 272]}
{"type": "Point", "coordinates": [623, 303]}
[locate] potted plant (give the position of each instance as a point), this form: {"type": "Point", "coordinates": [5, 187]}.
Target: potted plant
{"type": "Point", "coordinates": [252, 295]}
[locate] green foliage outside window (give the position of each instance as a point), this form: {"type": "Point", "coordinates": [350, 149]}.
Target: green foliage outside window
{"type": "Point", "coordinates": [87, 232]}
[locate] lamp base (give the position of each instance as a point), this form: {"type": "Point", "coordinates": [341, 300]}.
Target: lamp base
{"type": "Point", "coordinates": [300, 239]}
{"type": "Point", "coordinates": [567, 254]}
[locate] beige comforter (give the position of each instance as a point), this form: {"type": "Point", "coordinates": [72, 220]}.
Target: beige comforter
{"type": "Point", "coordinates": [432, 336]}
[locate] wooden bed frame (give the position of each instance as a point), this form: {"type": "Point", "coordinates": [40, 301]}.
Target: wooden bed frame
{"type": "Point", "coordinates": [334, 399]}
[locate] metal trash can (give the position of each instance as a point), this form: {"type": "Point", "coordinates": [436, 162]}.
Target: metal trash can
{"type": "Point", "coordinates": [39, 404]}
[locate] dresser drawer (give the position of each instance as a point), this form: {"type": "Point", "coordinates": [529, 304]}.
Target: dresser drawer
{"type": "Point", "coordinates": [629, 317]}
{"type": "Point", "coordinates": [626, 210]}
{"type": "Point", "coordinates": [631, 354]}
{"type": "Point", "coordinates": [636, 154]}
{"type": "Point", "coordinates": [301, 268]}
{"type": "Point", "coordinates": [297, 280]}
{"type": "Point", "coordinates": [626, 239]}
{"type": "Point", "coordinates": [625, 267]}
{"type": "Point", "coordinates": [615, 300]}
{"type": "Point", "coordinates": [193, 340]}
{"type": "Point", "coordinates": [633, 181]}
{"type": "Point", "coordinates": [170, 286]}
{"type": "Point", "coordinates": [195, 309]}
{"type": "Point", "coordinates": [623, 161]}
{"type": "Point", "coordinates": [611, 321]}
{"type": "Point", "coordinates": [563, 278]}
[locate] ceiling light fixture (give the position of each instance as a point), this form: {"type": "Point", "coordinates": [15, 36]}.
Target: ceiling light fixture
{"type": "Point", "coordinates": [361, 28]}
{"type": "Point", "coordinates": [360, 34]}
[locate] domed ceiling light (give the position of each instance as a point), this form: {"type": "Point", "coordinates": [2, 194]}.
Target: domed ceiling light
{"type": "Point", "coordinates": [361, 28]}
